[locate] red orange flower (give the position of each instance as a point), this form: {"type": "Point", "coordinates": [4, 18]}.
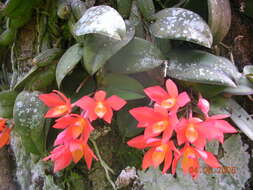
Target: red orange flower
{"type": "Point", "coordinates": [215, 126]}
{"type": "Point", "coordinates": [74, 125]}
{"type": "Point", "coordinates": [190, 130]}
{"type": "Point", "coordinates": [190, 160]}
{"type": "Point", "coordinates": [159, 152]}
{"type": "Point", "coordinates": [64, 154]}
{"type": "Point", "coordinates": [58, 103]}
{"type": "Point", "coordinates": [170, 100]}
{"type": "Point", "coordinates": [4, 132]}
{"type": "Point", "coordinates": [155, 121]}
{"type": "Point", "coordinates": [100, 107]}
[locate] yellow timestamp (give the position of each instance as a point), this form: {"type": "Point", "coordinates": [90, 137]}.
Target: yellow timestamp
{"type": "Point", "coordinates": [220, 170]}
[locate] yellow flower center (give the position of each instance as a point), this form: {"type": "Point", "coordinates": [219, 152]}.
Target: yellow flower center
{"type": "Point", "coordinates": [160, 126]}
{"type": "Point", "coordinates": [61, 109]}
{"type": "Point", "coordinates": [100, 109]}
{"type": "Point", "coordinates": [168, 103]}
{"type": "Point", "coordinates": [191, 133]}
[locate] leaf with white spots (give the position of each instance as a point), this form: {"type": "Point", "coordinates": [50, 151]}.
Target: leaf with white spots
{"type": "Point", "coordinates": [219, 18]}
{"type": "Point", "coordinates": [181, 24]}
{"type": "Point", "coordinates": [202, 67]}
{"type": "Point", "coordinates": [68, 62]}
{"type": "Point", "coordinates": [28, 115]}
{"type": "Point", "coordinates": [97, 49]}
{"type": "Point", "coordinates": [102, 20]}
{"type": "Point", "coordinates": [137, 56]}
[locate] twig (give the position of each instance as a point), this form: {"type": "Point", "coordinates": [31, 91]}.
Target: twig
{"type": "Point", "coordinates": [104, 165]}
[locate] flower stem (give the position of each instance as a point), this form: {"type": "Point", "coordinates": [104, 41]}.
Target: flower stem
{"type": "Point", "coordinates": [104, 165]}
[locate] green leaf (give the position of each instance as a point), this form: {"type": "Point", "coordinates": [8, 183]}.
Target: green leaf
{"type": "Point", "coordinates": [219, 105]}
{"type": "Point", "coordinates": [219, 18]}
{"type": "Point", "coordinates": [102, 20]}
{"type": "Point", "coordinates": [241, 118]}
{"type": "Point", "coordinates": [7, 99]}
{"type": "Point", "coordinates": [28, 115]}
{"type": "Point", "coordinates": [68, 62]}
{"type": "Point", "coordinates": [126, 123]}
{"type": "Point", "coordinates": [208, 90]}
{"type": "Point", "coordinates": [147, 8]}
{"type": "Point", "coordinates": [43, 79]}
{"type": "Point", "coordinates": [137, 56]}
{"type": "Point", "coordinates": [124, 7]}
{"type": "Point", "coordinates": [202, 67]}
{"type": "Point", "coordinates": [181, 24]}
{"type": "Point", "coordinates": [123, 86]}
{"type": "Point", "coordinates": [22, 82]}
{"type": "Point", "coordinates": [136, 20]}
{"type": "Point", "coordinates": [248, 72]}
{"type": "Point", "coordinates": [244, 87]}
{"type": "Point", "coordinates": [78, 84]}
{"type": "Point", "coordinates": [98, 49]}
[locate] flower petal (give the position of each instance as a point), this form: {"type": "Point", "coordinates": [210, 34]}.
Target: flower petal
{"type": "Point", "coordinates": [138, 142]}
{"type": "Point", "coordinates": [147, 159]}
{"type": "Point", "coordinates": [183, 99]}
{"type": "Point", "coordinates": [225, 127]}
{"type": "Point", "coordinates": [51, 99]}
{"type": "Point", "coordinates": [86, 103]}
{"type": "Point", "coordinates": [171, 88]}
{"type": "Point", "coordinates": [115, 102]}
{"type": "Point", "coordinates": [4, 137]}
{"type": "Point", "coordinates": [204, 106]}
{"type": "Point", "coordinates": [76, 149]}
{"type": "Point", "coordinates": [156, 93]}
{"type": "Point", "coordinates": [100, 95]}
{"type": "Point", "coordinates": [167, 161]}
{"type": "Point", "coordinates": [88, 155]}
{"type": "Point", "coordinates": [108, 115]}
{"type": "Point", "coordinates": [144, 115]}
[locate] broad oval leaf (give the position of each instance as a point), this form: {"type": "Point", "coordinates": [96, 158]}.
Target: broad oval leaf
{"type": "Point", "coordinates": [219, 18]}
{"type": "Point", "coordinates": [137, 56]}
{"type": "Point", "coordinates": [7, 99]}
{"type": "Point", "coordinates": [123, 86]}
{"type": "Point", "coordinates": [28, 115]}
{"type": "Point", "coordinates": [98, 49]}
{"type": "Point", "coordinates": [202, 67]}
{"type": "Point", "coordinates": [68, 62]}
{"type": "Point", "coordinates": [181, 24]}
{"type": "Point", "coordinates": [102, 20]}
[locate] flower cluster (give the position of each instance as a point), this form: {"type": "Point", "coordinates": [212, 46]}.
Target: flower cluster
{"type": "Point", "coordinates": [72, 143]}
{"type": "Point", "coordinates": [4, 132]}
{"type": "Point", "coordinates": [192, 133]}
